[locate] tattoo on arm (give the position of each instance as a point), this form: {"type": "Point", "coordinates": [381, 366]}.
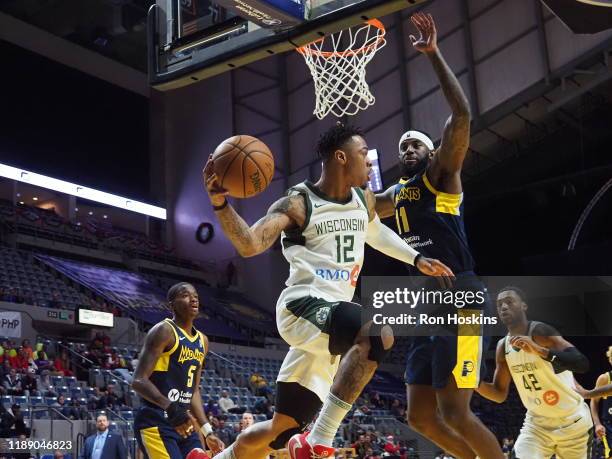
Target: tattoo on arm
{"type": "Point", "coordinates": [250, 241]}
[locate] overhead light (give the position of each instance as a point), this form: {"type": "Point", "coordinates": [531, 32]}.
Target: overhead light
{"type": "Point", "coordinates": [105, 216]}
{"type": "Point", "coordinates": [34, 198]}
{"type": "Point", "coordinates": [76, 209]}
{"type": "Point", "coordinates": [50, 183]}
{"type": "Point", "coordinates": [18, 195]}
{"type": "Point", "coordinates": [90, 212]}
{"type": "Point", "coordinates": [21, 202]}
{"type": "Point", "coordinates": [78, 223]}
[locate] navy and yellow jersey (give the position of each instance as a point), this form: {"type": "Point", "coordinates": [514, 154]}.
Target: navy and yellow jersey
{"type": "Point", "coordinates": [431, 222]}
{"type": "Point", "coordinates": [605, 407]}
{"type": "Point", "coordinates": [176, 370]}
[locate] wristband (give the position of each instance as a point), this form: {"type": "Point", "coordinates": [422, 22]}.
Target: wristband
{"type": "Point", "coordinates": [221, 207]}
{"type": "Point", "coordinates": [206, 429]}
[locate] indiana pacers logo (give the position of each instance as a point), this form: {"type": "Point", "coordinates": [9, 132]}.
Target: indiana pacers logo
{"type": "Point", "coordinates": [173, 395]}
{"type": "Point", "coordinates": [468, 367]}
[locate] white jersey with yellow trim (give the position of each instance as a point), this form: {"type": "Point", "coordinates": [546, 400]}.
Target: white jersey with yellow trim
{"type": "Point", "coordinates": [326, 255]}
{"type": "Point", "coordinates": [543, 391]}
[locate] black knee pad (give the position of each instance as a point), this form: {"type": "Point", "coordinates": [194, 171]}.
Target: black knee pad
{"type": "Point", "coordinates": [344, 327]}
{"type": "Point", "coordinates": [280, 442]}
{"type": "Point", "coordinates": [297, 402]}
{"type": "Point", "coordinates": [377, 349]}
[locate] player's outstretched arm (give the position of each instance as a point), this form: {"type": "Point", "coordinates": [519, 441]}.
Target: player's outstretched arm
{"type": "Point", "coordinates": [497, 390]}
{"type": "Point", "coordinates": [456, 135]}
{"type": "Point", "coordinates": [288, 212]}
{"type": "Point", "coordinates": [385, 240]}
{"type": "Point", "coordinates": [552, 347]}
{"type": "Point", "coordinates": [385, 204]}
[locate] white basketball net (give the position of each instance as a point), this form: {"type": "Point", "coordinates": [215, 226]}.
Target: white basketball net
{"type": "Point", "coordinates": [338, 66]}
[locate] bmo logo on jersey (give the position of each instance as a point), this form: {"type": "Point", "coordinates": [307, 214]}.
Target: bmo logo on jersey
{"type": "Point", "coordinates": [339, 275]}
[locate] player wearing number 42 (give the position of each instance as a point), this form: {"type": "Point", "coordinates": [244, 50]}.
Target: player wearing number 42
{"type": "Point", "coordinates": [541, 364]}
{"type": "Point", "coordinates": [167, 379]}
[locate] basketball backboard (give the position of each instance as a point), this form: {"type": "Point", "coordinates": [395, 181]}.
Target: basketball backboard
{"type": "Point", "coordinates": [191, 40]}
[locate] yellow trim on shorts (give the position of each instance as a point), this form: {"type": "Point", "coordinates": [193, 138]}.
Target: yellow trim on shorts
{"type": "Point", "coordinates": [163, 362]}
{"type": "Point", "coordinates": [469, 352]}
{"type": "Point", "coordinates": [446, 203]}
{"type": "Point", "coordinates": [153, 443]}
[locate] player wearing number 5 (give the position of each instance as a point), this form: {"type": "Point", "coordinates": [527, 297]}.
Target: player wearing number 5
{"type": "Point", "coordinates": [540, 362]}
{"type": "Point", "coordinates": [167, 379]}
{"type": "Point", "coordinates": [104, 445]}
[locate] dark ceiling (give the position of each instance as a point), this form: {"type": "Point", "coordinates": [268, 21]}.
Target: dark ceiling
{"type": "Point", "coordinates": [114, 28]}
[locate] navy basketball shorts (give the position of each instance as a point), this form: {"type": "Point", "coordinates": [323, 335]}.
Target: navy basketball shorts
{"type": "Point", "coordinates": [434, 360]}
{"type": "Point", "coordinates": [158, 439]}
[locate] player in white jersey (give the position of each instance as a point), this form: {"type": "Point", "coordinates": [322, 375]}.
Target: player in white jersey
{"type": "Point", "coordinates": [324, 227]}
{"type": "Point", "coordinates": [541, 364]}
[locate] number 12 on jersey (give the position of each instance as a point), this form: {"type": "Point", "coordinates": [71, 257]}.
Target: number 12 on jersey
{"type": "Point", "coordinates": [344, 245]}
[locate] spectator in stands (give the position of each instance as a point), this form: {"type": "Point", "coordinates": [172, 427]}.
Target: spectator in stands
{"type": "Point", "coordinates": [29, 383]}
{"type": "Point", "coordinates": [27, 348]}
{"type": "Point", "coordinates": [391, 447]}
{"type": "Point", "coordinates": [20, 362]}
{"type": "Point", "coordinates": [376, 402]}
{"type": "Point", "coordinates": [61, 365]}
{"type": "Point", "coordinates": [227, 405]}
{"type": "Point", "coordinates": [12, 383]}
{"type": "Point", "coordinates": [224, 432]}
{"type": "Point", "coordinates": [45, 386]}
{"type": "Point", "coordinates": [246, 421]}
{"type": "Point", "coordinates": [60, 405]}
{"type": "Point", "coordinates": [258, 384]}
{"type": "Point", "coordinates": [104, 444]}
{"type": "Point", "coordinates": [76, 411]}
{"type": "Point", "coordinates": [113, 361]}
{"type": "Point", "coordinates": [41, 359]}
{"type": "Point", "coordinates": [398, 410]}
{"type": "Point", "coordinates": [58, 455]}
{"type": "Point", "coordinates": [443, 455]}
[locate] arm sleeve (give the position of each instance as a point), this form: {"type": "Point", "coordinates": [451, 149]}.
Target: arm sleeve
{"type": "Point", "coordinates": [568, 359]}
{"type": "Point", "coordinates": [385, 240]}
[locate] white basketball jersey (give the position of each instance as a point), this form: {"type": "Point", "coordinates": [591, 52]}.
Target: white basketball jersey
{"type": "Point", "coordinates": [542, 391]}
{"type": "Point", "coordinates": [326, 255]}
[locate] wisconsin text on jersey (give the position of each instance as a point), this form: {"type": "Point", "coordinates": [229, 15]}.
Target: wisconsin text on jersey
{"type": "Point", "coordinates": [340, 224]}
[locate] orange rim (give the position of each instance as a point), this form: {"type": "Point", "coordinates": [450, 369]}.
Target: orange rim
{"type": "Point", "coordinates": [349, 52]}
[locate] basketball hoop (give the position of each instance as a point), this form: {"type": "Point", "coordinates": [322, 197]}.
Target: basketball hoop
{"type": "Point", "coordinates": [340, 75]}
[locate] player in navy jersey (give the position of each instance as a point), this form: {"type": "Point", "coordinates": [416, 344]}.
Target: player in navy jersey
{"type": "Point", "coordinates": [441, 371]}
{"type": "Point", "coordinates": [167, 379]}
{"type": "Point", "coordinates": [601, 406]}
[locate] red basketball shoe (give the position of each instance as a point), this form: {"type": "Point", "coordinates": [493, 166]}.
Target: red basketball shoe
{"type": "Point", "coordinates": [299, 448]}
{"type": "Point", "coordinates": [197, 453]}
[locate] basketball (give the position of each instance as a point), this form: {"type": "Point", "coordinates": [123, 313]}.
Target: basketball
{"type": "Point", "coordinates": [244, 166]}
